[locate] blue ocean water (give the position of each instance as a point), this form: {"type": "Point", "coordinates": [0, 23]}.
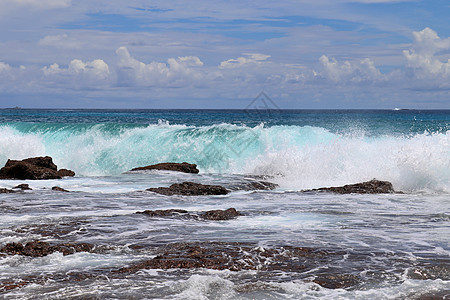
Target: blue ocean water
{"type": "Point", "coordinates": [396, 245]}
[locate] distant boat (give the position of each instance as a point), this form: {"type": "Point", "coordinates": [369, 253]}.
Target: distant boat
{"type": "Point", "coordinates": [401, 109]}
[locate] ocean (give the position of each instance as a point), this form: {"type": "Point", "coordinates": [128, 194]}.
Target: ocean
{"type": "Point", "coordinates": [288, 243]}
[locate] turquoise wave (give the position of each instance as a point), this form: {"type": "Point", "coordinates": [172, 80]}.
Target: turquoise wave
{"type": "Point", "coordinates": [298, 156]}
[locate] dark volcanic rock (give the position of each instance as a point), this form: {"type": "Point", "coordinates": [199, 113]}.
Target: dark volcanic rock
{"type": "Point", "coordinates": [163, 213]}
{"type": "Point", "coordinates": [6, 191]}
{"type": "Point", "coordinates": [34, 168]}
{"type": "Point", "coordinates": [66, 173]}
{"type": "Point", "coordinates": [231, 256]}
{"type": "Point", "coordinates": [190, 189]}
{"type": "Point", "coordinates": [23, 187]}
{"type": "Point", "coordinates": [218, 215]}
{"type": "Point", "coordinates": [59, 189]}
{"type": "Point", "coordinates": [183, 167]}
{"type": "Point", "coordinates": [252, 185]}
{"type": "Point", "coordinates": [368, 187]}
{"type": "Point", "coordinates": [215, 215]}
{"type": "Point", "coordinates": [40, 249]}
{"type": "Point", "coordinates": [336, 281]}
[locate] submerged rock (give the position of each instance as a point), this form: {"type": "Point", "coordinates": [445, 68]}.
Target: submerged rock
{"type": "Point", "coordinates": [34, 168]}
{"type": "Point", "coordinates": [163, 213]}
{"type": "Point", "coordinates": [369, 187]}
{"type": "Point", "coordinates": [215, 215]}
{"type": "Point", "coordinates": [6, 191]}
{"type": "Point", "coordinates": [40, 249]}
{"type": "Point", "coordinates": [179, 167]}
{"type": "Point", "coordinates": [188, 188]}
{"type": "Point", "coordinates": [59, 189]}
{"type": "Point", "coordinates": [336, 281]}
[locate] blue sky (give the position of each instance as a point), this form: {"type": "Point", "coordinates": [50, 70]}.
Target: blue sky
{"type": "Point", "coordinates": [221, 54]}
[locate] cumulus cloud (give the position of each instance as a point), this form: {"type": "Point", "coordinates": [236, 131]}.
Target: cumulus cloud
{"type": "Point", "coordinates": [423, 60]}
{"type": "Point", "coordinates": [249, 59]}
{"type": "Point", "coordinates": [348, 72]}
{"type": "Point", "coordinates": [176, 72]}
{"type": "Point", "coordinates": [91, 73]}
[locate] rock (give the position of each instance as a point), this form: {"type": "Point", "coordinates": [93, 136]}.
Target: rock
{"type": "Point", "coordinates": [40, 249]}
{"type": "Point", "coordinates": [59, 189]}
{"type": "Point", "coordinates": [252, 185]}
{"type": "Point", "coordinates": [6, 191]}
{"type": "Point", "coordinates": [183, 167]}
{"type": "Point", "coordinates": [231, 256]}
{"type": "Point", "coordinates": [219, 215]}
{"type": "Point", "coordinates": [336, 281]}
{"type": "Point", "coordinates": [215, 215]}
{"type": "Point", "coordinates": [22, 186]}
{"type": "Point", "coordinates": [34, 168]}
{"type": "Point", "coordinates": [190, 189]}
{"type": "Point", "coordinates": [66, 173]}
{"type": "Point", "coordinates": [163, 213]}
{"type": "Point", "coordinates": [369, 187]}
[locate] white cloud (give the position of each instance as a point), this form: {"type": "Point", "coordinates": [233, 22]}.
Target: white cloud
{"type": "Point", "coordinates": [89, 74]}
{"type": "Point", "coordinates": [250, 59]}
{"type": "Point", "coordinates": [423, 62]}
{"type": "Point", "coordinates": [349, 72]}
{"type": "Point", "coordinates": [4, 67]}
{"type": "Point", "coordinates": [177, 72]}
{"type": "Point", "coordinates": [60, 41]}
{"type": "Point", "coordinates": [39, 4]}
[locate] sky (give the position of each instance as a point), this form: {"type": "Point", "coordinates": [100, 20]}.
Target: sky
{"type": "Point", "coordinates": [325, 54]}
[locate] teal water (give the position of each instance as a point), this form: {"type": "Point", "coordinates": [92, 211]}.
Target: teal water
{"type": "Point", "coordinates": [395, 245]}
{"type": "Point", "coordinates": [308, 148]}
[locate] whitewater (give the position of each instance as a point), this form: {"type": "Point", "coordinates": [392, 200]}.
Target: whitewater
{"type": "Point", "coordinates": [393, 246]}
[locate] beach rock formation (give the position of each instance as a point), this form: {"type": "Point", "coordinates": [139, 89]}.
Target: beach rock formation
{"type": "Point", "coordinates": [188, 188]}
{"type": "Point", "coordinates": [215, 215]}
{"type": "Point", "coordinates": [34, 168]}
{"type": "Point", "coordinates": [369, 187]}
{"type": "Point", "coordinates": [40, 249]}
{"type": "Point", "coordinates": [232, 256]}
{"type": "Point", "coordinates": [178, 167]}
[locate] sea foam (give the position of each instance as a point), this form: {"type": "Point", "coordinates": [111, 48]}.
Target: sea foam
{"type": "Point", "coordinates": [298, 157]}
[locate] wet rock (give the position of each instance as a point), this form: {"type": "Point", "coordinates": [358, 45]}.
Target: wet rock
{"type": "Point", "coordinates": [218, 215]}
{"type": "Point", "coordinates": [178, 167]}
{"type": "Point", "coordinates": [253, 185]}
{"type": "Point", "coordinates": [215, 215]}
{"type": "Point", "coordinates": [231, 256]}
{"type": "Point", "coordinates": [66, 173]}
{"type": "Point", "coordinates": [190, 189]}
{"type": "Point", "coordinates": [23, 187]}
{"type": "Point", "coordinates": [368, 187]}
{"type": "Point", "coordinates": [59, 189]}
{"type": "Point", "coordinates": [6, 191]}
{"type": "Point", "coordinates": [163, 213]}
{"type": "Point", "coordinates": [433, 272]}
{"type": "Point", "coordinates": [336, 281]}
{"type": "Point", "coordinates": [34, 168]}
{"type": "Point", "coordinates": [40, 249]}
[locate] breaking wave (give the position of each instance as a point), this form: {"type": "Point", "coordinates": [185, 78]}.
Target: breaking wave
{"type": "Point", "coordinates": [299, 157]}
